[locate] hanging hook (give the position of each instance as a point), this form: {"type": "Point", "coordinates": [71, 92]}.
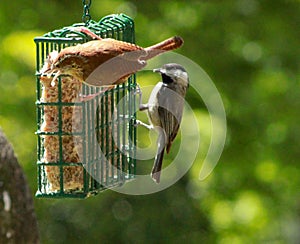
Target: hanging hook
{"type": "Point", "coordinates": [86, 17]}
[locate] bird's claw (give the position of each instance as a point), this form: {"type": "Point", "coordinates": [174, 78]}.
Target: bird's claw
{"type": "Point", "coordinates": [138, 122]}
{"type": "Point", "coordinates": [137, 90]}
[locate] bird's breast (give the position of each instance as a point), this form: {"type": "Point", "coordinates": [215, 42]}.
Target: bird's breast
{"type": "Point", "coordinates": [153, 115]}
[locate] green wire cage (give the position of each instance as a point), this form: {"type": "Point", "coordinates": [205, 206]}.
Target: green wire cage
{"type": "Point", "coordinates": [83, 146]}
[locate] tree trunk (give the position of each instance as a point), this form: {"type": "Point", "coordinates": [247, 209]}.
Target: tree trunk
{"type": "Point", "coordinates": [18, 223]}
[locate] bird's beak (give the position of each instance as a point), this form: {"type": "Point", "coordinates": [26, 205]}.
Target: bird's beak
{"type": "Point", "coordinates": [160, 70]}
{"type": "Point", "coordinates": [47, 70]}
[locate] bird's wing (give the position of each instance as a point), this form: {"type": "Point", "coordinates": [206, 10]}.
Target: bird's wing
{"type": "Point", "coordinates": [170, 113]}
{"type": "Point", "coordinates": [114, 70]}
{"type": "Point", "coordinates": [109, 60]}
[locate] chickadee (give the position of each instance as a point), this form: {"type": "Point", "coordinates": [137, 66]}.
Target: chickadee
{"type": "Point", "coordinates": [165, 109]}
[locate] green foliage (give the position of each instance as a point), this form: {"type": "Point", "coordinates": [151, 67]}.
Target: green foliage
{"type": "Point", "coordinates": [250, 49]}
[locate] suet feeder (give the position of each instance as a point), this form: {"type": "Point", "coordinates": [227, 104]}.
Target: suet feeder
{"type": "Point", "coordinates": [83, 146]}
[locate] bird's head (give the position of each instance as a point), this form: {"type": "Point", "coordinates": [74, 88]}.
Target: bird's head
{"type": "Point", "coordinates": [66, 64]}
{"type": "Point", "coordinates": [173, 73]}
{"type": "Point", "coordinates": [62, 64]}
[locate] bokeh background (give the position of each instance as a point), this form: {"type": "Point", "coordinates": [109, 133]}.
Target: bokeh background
{"type": "Point", "coordinates": [250, 49]}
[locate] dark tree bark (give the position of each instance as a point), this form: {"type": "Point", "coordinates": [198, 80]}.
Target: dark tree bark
{"type": "Point", "coordinates": [18, 223]}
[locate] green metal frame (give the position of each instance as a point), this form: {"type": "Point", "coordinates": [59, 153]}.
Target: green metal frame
{"type": "Point", "coordinates": [97, 127]}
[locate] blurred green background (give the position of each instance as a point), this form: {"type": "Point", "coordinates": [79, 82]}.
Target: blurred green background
{"type": "Point", "coordinates": [251, 51]}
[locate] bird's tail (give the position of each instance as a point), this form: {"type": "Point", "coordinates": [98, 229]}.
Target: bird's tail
{"type": "Point", "coordinates": [166, 45]}
{"type": "Point", "coordinates": [156, 170]}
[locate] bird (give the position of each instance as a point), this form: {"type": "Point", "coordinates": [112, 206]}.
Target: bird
{"type": "Point", "coordinates": [104, 61]}
{"type": "Point", "coordinates": [165, 110]}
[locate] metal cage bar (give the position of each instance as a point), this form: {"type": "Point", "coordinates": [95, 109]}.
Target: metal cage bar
{"type": "Point", "coordinates": [104, 139]}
